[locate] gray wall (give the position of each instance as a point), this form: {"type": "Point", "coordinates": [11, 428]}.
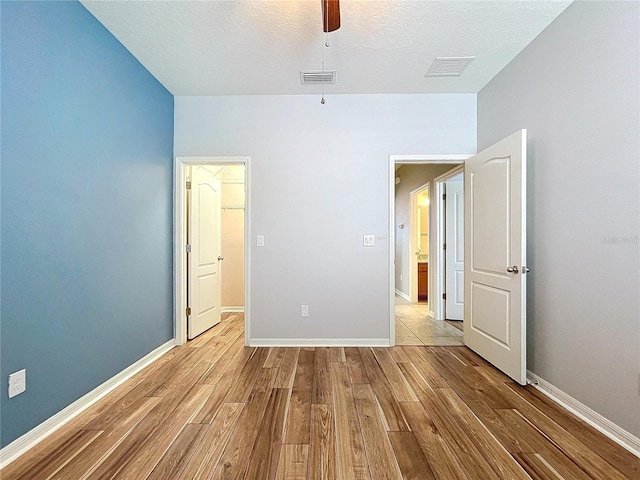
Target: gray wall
{"type": "Point", "coordinates": [575, 89]}
{"type": "Point", "coordinates": [412, 177]}
{"type": "Point", "coordinates": [319, 182]}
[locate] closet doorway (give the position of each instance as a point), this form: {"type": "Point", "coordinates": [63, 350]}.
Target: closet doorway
{"type": "Point", "coordinates": [227, 216]}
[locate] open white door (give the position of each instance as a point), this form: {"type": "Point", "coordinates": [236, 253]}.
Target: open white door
{"type": "Point", "coordinates": [204, 259]}
{"type": "Point", "coordinates": [454, 254]}
{"type": "Point", "coordinates": [495, 255]}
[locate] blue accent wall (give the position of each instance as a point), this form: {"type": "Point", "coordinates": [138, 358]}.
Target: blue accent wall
{"type": "Point", "coordinates": [86, 199]}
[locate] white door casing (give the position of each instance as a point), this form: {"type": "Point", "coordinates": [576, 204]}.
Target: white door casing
{"type": "Point", "coordinates": [435, 257]}
{"type": "Point", "coordinates": [204, 292]}
{"type": "Point", "coordinates": [495, 255]}
{"type": "Point", "coordinates": [454, 228]}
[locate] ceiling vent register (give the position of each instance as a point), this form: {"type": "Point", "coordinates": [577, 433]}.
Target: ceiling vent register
{"type": "Point", "coordinates": [317, 77]}
{"type": "Point", "coordinates": [448, 66]}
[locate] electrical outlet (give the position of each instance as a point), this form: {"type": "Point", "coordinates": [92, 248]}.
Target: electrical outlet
{"type": "Point", "coordinates": [304, 310]}
{"type": "Point", "coordinates": [369, 240]}
{"type": "Point", "coordinates": [17, 383]}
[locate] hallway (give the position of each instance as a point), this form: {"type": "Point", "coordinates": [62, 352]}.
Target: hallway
{"type": "Point", "coordinates": [414, 327]}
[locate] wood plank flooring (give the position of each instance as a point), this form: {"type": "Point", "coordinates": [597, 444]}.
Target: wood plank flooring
{"type": "Point", "coordinates": [215, 409]}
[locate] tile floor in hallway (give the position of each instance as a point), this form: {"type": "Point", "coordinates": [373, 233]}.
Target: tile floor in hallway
{"type": "Point", "coordinates": [414, 327]}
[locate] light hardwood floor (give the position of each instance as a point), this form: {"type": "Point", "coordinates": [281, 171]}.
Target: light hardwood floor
{"type": "Point", "coordinates": [216, 409]}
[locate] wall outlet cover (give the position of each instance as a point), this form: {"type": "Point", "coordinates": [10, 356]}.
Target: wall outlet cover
{"type": "Point", "coordinates": [17, 383]}
{"type": "Point", "coordinates": [369, 240]}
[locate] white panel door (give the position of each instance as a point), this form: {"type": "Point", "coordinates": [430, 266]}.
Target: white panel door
{"type": "Point", "coordinates": [204, 290]}
{"type": "Point", "coordinates": [454, 233]}
{"type": "Point", "coordinates": [495, 255]}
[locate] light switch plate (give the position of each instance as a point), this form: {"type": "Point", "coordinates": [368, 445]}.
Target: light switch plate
{"type": "Point", "coordinates": [259, 240]}
{"type": "Point", "coordinates": [369, 240]}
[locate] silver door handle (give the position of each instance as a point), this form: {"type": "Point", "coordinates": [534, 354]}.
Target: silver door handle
{"type": "Point", "coordinates": [513, 269]}
{"type": "Point", "coordinates": [220, 258]}
{"type": "Point", "coordinates": [525, 269]}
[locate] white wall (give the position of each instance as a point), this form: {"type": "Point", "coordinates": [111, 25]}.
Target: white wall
{"type": "Point", "coordinates": [319, 181]}
{"type": "Point", "coordinates": [576, 89]}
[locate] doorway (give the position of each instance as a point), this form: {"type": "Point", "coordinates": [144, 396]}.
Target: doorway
{"type": "Point", "coordinates": [419, 244]}
{"type": "Point", "coordinates": [233, 173]}
{"type": "Point", "coordinates": [402, 255]}
{"type": "Point", "coordinates": [494, 252]}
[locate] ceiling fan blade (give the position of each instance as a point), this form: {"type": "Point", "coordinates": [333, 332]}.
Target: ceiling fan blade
{"type": "Point", "coordinates": [330, 15]}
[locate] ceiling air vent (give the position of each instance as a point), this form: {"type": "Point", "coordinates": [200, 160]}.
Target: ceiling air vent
{"type": "Point", "coordinates": [316, 77]}
{"type": "Point", "coordinates": [448, 66]}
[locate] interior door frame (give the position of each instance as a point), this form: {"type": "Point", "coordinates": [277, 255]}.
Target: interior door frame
{"type": "Point", "coordinates": [417, 160]}
{"type": "Point", "coordinates": [180, 241]}
{"type": "Point", "coordinates": [440, 310]}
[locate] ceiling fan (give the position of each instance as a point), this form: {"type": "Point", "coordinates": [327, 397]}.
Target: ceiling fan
{"type": "Point", "coordinates": [330, 15]}
{"type": "Point", "coordinates": [330, 23]}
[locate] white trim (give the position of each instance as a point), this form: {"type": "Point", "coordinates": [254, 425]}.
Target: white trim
{"type": "Point", "coordinates": [420, 189]}
{"type": "Point", "coordinates": [438, 303]}
{"type": "Point", "coordinates": [34, 436]}
{"type": "Point", "coordinates": [453, 159]}
{"type": "Point", "coordinates": [179, 240]}
{"type": "Point", "coordinates": [392, 249]}
{"type": "Point", "coordinates": [232, 310]}
{"type": "Point", "coordinates": [593, 418]}
{"type": "Point", "coordinates": [319, 342]}
{"type": "Point", "coordinates": [403, 296]}
{"type": "Point", "coordinates": [417, 159]}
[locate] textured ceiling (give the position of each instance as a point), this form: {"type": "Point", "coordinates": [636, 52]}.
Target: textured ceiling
{"type": "Point", "coordinates": [240, 47]}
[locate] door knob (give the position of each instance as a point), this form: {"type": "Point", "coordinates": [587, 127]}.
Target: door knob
{"type": "Point", "coordinates": [513, 269]}
{"type": "Point", "coordinates": [220, 258]}
{"type": "Point", "coordinates": [525, 269]}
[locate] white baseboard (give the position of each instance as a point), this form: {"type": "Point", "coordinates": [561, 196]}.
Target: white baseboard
{"type": "Point", "coordinates": [318, 342]}
{"type": "Point", "coordinates": [593, 418]}
{"type": "Point", "coordinates": [232, 310]}
{"type": "Point", "coordinates": [403, 295]}
{"type": "Point", "coordinates": [21, 444]}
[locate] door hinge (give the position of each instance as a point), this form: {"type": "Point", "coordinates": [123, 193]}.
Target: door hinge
{"type": "Point", "coordinates": [444, 196]}
{"type": "Point", "coordinates": [188, 311]}
{"type": "Point", "coordinates": [188, 248]}
{"type": "Point", "coordinates": [444, 296]}
{"type": "Point", "coordinates": [188, 185]}
{"type": "Point", "coordinates": [444, 246]}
